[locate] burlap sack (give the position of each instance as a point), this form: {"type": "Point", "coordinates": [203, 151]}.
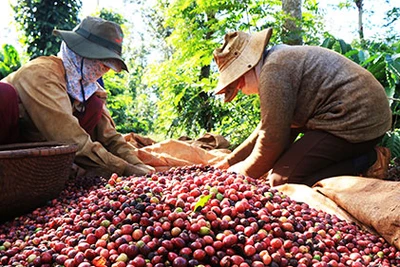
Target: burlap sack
{"type": "Point", "coordinates": [138, 140]}
{"type": "Point", "coordinates": [208, 141]}
{"type": "Point", "coordinates": [305, 194]}
{"type": "Point", "coordinates": [316, 200]}
{"type": "Point", "coordinates": [373, 202]}
{"type": "Point", "coordinates": [207, 150]}
{"type": "Point", "coordinates": [174, 153]}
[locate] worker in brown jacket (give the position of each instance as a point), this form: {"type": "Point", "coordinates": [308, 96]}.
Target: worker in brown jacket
{"type": "Point", "coordinates": [59, 99]}
{"type": "Point", "coordinates": [340, 108]}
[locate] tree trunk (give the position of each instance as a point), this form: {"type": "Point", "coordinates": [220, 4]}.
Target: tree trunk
{"type": "Point", "coordinates": [208, 121]}
{"type": "Point", "coordinates": [292, 27]}
{"type": "Point", "coordinates": [359, 4]}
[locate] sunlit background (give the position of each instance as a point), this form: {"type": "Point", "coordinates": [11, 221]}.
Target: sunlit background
{"type": "Point", "coordinates": [341, 23]}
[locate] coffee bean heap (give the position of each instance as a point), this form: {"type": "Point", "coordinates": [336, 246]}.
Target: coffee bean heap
{"type": "Point", "coordinates": [187, 216]}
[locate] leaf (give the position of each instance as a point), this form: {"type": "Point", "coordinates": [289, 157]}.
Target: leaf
{"type": "Point", "coordinates": [202, 201]}
{"type": "Point", "coordinates": [178, 97]}
{"type": "Point", "coordinates": [369, 60]}
{"type": "Point", "coordinates": [391, 140]}
{"type": "Point", "coordinates": [4, 70]}
{"type": "Point", "coordinates": [351, 54]}
{"type": "Point", "coordinates": [344, 47]}
{"type": "Point", "coordinates": [393, 66]}
{"type": "Point", "coordinates": [361, 56]}
{"type": "Point", "coordinates": [328, 42]}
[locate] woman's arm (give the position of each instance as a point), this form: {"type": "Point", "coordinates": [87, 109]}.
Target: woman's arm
{"type": "Point", "coordinates": [41, 87]}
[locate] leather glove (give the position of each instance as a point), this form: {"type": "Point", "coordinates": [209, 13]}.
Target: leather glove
{"type": "Point", "coordinates": [137, 169]}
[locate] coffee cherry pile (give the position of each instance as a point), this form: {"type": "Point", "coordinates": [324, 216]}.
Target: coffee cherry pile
{"type": "Point", "coordinates": [188, 216]}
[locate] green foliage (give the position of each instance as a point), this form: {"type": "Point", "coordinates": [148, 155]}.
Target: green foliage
{"type": "Point", "coordinates": [391, 140]}
{"type": "Point", "coordinates": [392, 18]}
{"type": "Point", "coordinates": [239, 118]}
{"type": "Point", "coordinates": [382, 60]}
{"type": "Point", "coordinates": [129, 101]}
{"type": "Point", "coordinates": [9, 60]}
{"type": "Point", "coordinates": [38, 18]}
{"type": "Point", "coordinates": [174, 95]}
{"type": "Point", "coordinates": [110, 15]}
{"type": "Point", "coordinates": [131, 107]}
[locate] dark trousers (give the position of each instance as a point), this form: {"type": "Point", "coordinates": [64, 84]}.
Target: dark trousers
{"type": "Point", "coordinates": [92, 114]}
{"type": "Point", "coordinates": [9, 114]}
{"type": "Point", "coordinates": [318, 155]}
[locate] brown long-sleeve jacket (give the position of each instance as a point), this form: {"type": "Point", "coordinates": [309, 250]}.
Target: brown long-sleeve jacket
{"type": "Point", "coordinates": [315, 89]}
{"type": "Point", "coordinates": [48, 115]}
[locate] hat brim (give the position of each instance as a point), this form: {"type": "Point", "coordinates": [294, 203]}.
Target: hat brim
{"type": "Point", "coordinates": [247, 60]}
{"type": "Point", "coordinates": [86, 48]}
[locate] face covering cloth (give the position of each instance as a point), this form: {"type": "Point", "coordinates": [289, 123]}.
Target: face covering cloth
{"type": "Point", "coordinates": [81, 73]}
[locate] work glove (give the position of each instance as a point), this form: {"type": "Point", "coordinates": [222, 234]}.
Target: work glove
{"type": "Point", "coordinates": [137, 169]}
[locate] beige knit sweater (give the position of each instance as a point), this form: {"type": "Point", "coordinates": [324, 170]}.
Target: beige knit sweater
{"type": "Point", "coordinates": [316, 89]}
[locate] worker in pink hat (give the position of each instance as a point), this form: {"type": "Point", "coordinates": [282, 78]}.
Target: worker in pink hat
{"type": "Point", "coordinates": [58, 98]}
{"type": "Point", "coordinates": [340, 108]}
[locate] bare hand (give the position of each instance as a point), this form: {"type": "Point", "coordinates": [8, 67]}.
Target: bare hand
{"type": "Point", "coordinates": [223, 165]}
{"type": "Point", "coordinates": [237, 168]}
{"type": "Point", "coordinates": [76, 171]}
{"type": "Point", "coordinates": [138, 169]}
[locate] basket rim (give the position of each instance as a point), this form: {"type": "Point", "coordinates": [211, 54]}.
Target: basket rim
{"type": "Point", "coordinates": [36, 149]}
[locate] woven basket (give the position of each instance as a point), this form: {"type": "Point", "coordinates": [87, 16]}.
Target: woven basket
{"type": "Point", "coordinates": [31, 174]}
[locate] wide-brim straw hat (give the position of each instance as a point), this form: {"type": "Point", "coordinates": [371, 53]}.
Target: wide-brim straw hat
{"type": "Point", "coordinates": [95, 38]}
{"type": "Point", "coordinates": [240, 53]}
